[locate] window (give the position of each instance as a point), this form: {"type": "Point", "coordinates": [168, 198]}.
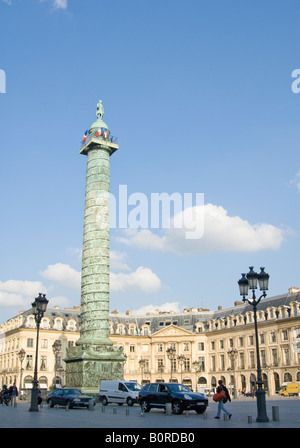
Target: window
{"type": "Point", "coordinates": [252, 360]}
{"type": "Point", "coordinates": [132, 349]}
{"type": "Point", "coordinates": [44, 343]}
{"type": "Point", "coordinates": [29, 363]}
{"type": "Point", "coordinates": [31, 322]}
{"type": "Point", "coordinates": [43, 363]}
{"type": "Point", "coordinates": [159, 348]}
{"type": "Point", "coordinates": [285, 335]}
{"type": "Point", "coordinates": [45, 324]}
{"type": "Point", "coordinates": [274, 356]}
{"type": "Point", "coordinates": [200, 346]}
{"type": "Point", "coordinates": [30, 342]}
{"type": "Point", "coordinates": [186, 347]}
{"type": "Point", "coordinates": [58, 324]}
{"type": "Point", "coordinates": [273, 336]}
{"type": "Point", "coordinates": [242, 360]}
{"type": "Point", "coordinates": [187, 364]}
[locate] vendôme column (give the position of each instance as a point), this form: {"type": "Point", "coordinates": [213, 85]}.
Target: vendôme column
{"type": "Point", "coordinates": [94, 358]}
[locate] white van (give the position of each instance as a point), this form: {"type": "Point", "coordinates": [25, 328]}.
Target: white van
{"type": "Point", "coordinates": [119, 392]}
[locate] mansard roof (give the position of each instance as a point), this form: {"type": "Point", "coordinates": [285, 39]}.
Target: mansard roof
{"type": "Point", "coordinates": [187, 320]}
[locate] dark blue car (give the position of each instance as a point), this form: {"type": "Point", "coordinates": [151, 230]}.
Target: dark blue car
{"type": "Point", "coordinates": [69, 397]}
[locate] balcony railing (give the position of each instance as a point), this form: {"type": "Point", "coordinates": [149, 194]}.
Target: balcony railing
{"type": "Point", "coordinates": [101, 134]}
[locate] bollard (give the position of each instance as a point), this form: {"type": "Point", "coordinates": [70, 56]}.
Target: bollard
{"type": "Point", "coordinates": [249, 418]}
{"type": "Point", "coordinates": [168, 408]}
{"type": "Point", "coordinates": [67, 407]}
{"type": "Point", "coordinates": [142, 413]}
{"type": "Point", "coordinates": [186, 413]}
{"type": "Point", "coordinates": [205, 415]}
{"type": "Point", "coordinates": [103, 408]}
{"type": "Point", "coordinates": [91, 405]}
{"type": "Point", "coordinates": [127, 411]}
{"type": "Point", "coordinates": [275, 413]}
{"type": "Point", "coordinates": [56, 407]}
{"type": "Point", "coordinates": [114, 410]}
{"type": "Point", "coordinates": [225, 417]}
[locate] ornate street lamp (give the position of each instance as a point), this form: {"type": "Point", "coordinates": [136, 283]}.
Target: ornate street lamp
{"type": "Point", "coordinates": [232, 353]}
{"type": "Point", "coordinates": [249, 281]}
{"type": "Point", "coordinates": [171, 354]}
{"type": "Point", "coordinates": [142, 363]}
{"type": "Point", "coordinates": [39, 307]}
{"type": "Point", "coordinates": [56, 348]}
{"type": "Point", "coordinates": [181, 359]}
{"type": "Point", "coordinates": [21, 356]}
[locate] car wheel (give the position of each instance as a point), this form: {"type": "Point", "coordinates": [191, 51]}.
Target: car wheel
{"type": "Point", "coordinates": [104, 401]}
{"type": "Point", "coordinates": [120, 404]}
{"type": "Point", "coordinates": [177, 408]}
{"type": "Point", "coordinates": [145, 405]}
{"type": "Point", "coordinates": [129, 401]}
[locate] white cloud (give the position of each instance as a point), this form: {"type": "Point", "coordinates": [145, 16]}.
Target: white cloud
{"type": "Point", "coordinates": [20, 293]}
{"type": "Point", "coordinates": [221, 232]}
{"type": "Point", "coordinates": [117, 261]}
{"type": "Point", "coordinates": [296, 180]}
{"type": "Point", "coordinates": [141, 279]}
{"type": "Point", "coordinates": [60, 4]}
{"type": "Point", "coordinates": [165, 307]}
{"type": "Point", "coordinates": [60, 301]}
{"type": "Point", "coordinates": [63, 275]}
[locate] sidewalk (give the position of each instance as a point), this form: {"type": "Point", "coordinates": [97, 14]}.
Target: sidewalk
{"type": "Point", "coordinates": [111, 416]}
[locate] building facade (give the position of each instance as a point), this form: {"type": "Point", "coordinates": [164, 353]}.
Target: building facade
{"type": "Point", "coordinates": [196, 347]}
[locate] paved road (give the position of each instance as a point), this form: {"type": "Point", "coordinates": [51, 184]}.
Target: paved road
{"type": "Point", "coordinates": [128, 418]}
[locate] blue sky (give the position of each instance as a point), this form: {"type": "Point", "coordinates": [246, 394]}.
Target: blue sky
{"type": "Point", "coordinates": [199, 94]}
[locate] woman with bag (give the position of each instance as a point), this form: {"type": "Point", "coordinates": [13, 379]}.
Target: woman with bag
{"type": "Point", "coordinates": [219, 396]}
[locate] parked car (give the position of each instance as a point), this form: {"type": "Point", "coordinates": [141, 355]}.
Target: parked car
{"type": "Point", "coordinates": [157, 395]}
{"type": "Point", "coordinates": [69, 397]}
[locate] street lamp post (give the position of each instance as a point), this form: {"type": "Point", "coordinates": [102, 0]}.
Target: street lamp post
{"type": "Point", "coordinates": [21, 356]}
{"type": "Point", "coordinates": [181, 359]}
{"type": "Point", "coordinates": [142, 363]}
{"type": "Point", "coordinates": [171, 354]}
{"type": "Point", "coordinates": [39, 307]}
{"type": "Point", "coordinates": [246, 282]}
{"type": "Point", "coordinates": [56, 348]}
{"type": "Point", "coordinates": [232, 353]}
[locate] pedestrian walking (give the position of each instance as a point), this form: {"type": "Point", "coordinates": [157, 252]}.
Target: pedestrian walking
{"type": "Point", "coordinates": [221, 406]}
{"type": "Point", "coordinates": [13, 392]}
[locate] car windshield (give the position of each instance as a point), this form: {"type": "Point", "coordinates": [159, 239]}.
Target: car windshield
{"type": "Point", "coordinates": [178, 388]}
{"type": "Point", "coordinates": [71, 391]}
{"type": "Point", "coordinates": [133, 386]}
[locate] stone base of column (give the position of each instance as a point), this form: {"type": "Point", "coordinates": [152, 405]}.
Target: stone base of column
{"type": "Point", "coordinates": [87, 366]}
